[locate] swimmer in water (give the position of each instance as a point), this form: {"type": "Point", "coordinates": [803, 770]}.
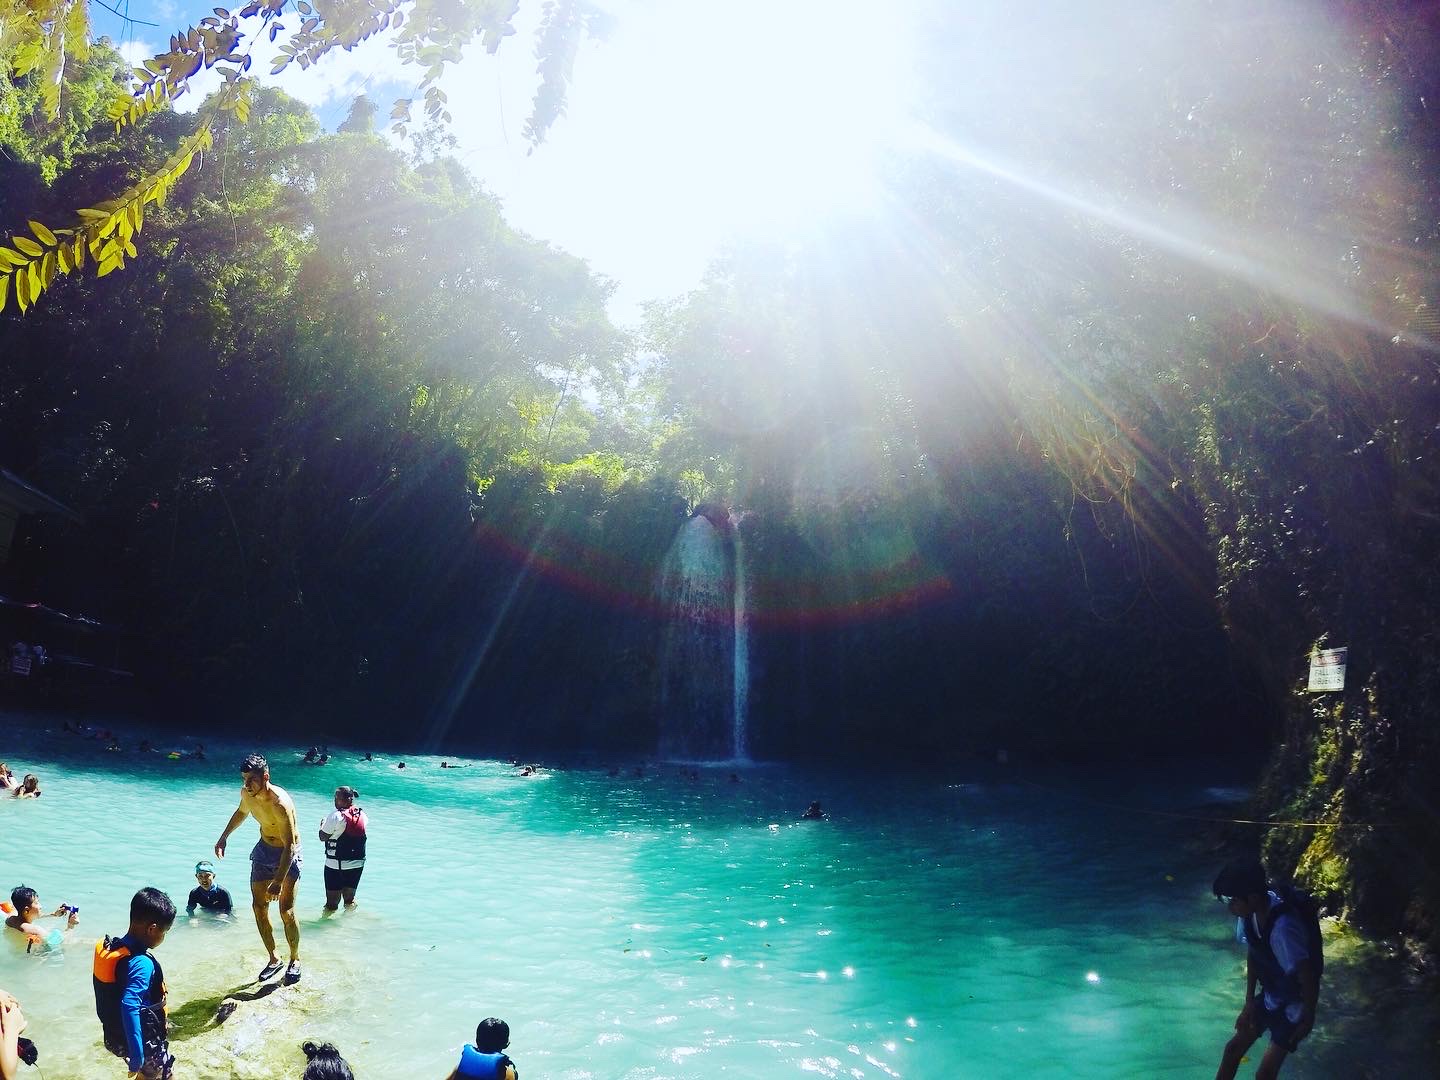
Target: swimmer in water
{"type": "Point", "coordinates": [26, 902]}
{"type": "Point", "coordinates": [29, 788]}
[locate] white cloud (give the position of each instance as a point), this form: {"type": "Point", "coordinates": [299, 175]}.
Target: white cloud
{"type": "Point", "coordinates": [137, 51]}
{"type": "Point", "coordinates": [338, 76]}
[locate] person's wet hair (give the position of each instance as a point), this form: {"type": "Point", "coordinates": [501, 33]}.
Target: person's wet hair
{"type": "Point", "coordinates": [1243, 877]}
{"type": "Point", "coordinates": [492, 1035]}
{"type": "Point", "coordinates": [150, 905]}
{"type": "Point", "coordinates": [254, 763]}
{"type": "Point", "coordinates": [21, 897]}
{"type": "Point", "coordinates": [325, 1063]}
{"type": "Point", "coordinates": [348, 792]}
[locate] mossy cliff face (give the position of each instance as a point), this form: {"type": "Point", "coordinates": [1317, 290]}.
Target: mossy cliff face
{"type": "Point", "coordinates": [1344, 761]}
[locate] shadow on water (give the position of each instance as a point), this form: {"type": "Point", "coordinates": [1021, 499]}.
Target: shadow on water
{"type": "Point", "coordinates": [199, 1015]}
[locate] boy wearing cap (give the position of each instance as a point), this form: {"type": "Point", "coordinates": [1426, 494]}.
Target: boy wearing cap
{"type": "Point", "coordinates": [207, 894]}
{"type": "Point", "coordinates": [1284, 963]}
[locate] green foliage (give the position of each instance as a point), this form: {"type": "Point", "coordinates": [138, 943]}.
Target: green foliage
{"type": "Point", "coordinates": [37, 37]}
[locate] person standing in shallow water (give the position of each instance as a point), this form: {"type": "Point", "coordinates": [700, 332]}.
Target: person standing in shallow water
{"type": "Point", "coordinates": [274, 861]}
{"type": "Point", "coordinates": [1285, 961]}
{"type": "Point", "coordinates": [343, 834]}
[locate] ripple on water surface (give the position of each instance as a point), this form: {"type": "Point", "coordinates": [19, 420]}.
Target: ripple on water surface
{"type": "Point", "coordinates": [662, 926]}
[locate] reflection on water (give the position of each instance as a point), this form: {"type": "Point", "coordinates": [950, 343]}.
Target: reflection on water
{"type": "Point", "coordinates": [670, 926]}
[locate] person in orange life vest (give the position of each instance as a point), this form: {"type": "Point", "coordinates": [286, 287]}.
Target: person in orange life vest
{"type": "Point", "coordinates": [130, 989]}
{"type": "Point", "coordinates": [343, 832]}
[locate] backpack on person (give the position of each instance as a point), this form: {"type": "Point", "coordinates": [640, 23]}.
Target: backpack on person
{"type": "Point", "coordinates": [1296, 901]}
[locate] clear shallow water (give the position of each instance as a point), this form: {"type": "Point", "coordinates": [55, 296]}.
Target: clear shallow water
{"type": "Point", "coordinates": [666, 927]}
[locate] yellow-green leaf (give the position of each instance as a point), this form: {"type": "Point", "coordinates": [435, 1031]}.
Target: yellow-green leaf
{"type": "Point", "coordinates": [4, 290]}
{"type": "Point", "coordinates": [94, 215]}
{"type": "Point", "coordinates": [28, 246]}
{"type": "Point", "coordinates": [9, 257]}
{"type": "Point", "coordinates": [62, 258]}
{"type": "Point", "coordinates": [44, 234]}
{"type": "Point", "coordinates": [47, 269]}
{"type": "Point", "coordinates": [112, 263]}
{"type": "Point", "coordinates": [79, 255]}
{"type": "Point", "coordinates": [22, 291]}
{"type": "Point", "coordinates": [130, 249]}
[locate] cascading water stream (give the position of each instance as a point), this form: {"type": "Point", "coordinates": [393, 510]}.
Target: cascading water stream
{"type": "Point", "coordinates": [704, 682]}
{"type": "Point", "coordinates": [742, 651]}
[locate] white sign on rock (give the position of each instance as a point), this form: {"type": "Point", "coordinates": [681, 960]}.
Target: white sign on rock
{"type": "Point", "coordinates": [1327, 669]}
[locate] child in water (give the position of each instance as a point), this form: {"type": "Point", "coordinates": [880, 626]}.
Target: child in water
{"type": "Point", "coordinates": [207, 894]}
{"type": "Point", "coordinates": [25, 909]}
{"type": "Point", "coordinates": [130, 989]}
{"type": "Point", "coordinates": [486, 1059]}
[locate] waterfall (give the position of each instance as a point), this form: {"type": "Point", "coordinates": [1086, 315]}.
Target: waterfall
{"type": "Point", "coordinates": [741, 749]}
{"type": "Point", "coordinates": [704, 668]}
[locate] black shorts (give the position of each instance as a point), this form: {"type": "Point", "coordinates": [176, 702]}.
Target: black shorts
{"type": "Point", "coordinates": [340, 880]}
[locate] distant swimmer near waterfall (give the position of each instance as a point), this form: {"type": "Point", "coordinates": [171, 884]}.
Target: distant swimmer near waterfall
{"type": "Point", "coordinates": [274, 861]}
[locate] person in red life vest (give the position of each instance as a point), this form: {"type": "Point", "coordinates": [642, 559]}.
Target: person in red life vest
{"type": "Point", "coordinates": [130, 989]}
{"type": "Point", "coordinates": [343, 832]}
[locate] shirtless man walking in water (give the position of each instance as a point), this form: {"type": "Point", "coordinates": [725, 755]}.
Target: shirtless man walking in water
{"type": "Point", "coordinates": [274, 861]}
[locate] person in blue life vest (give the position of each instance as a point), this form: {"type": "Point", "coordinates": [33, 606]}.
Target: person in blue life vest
{"type": "Point", "coordinates": [130, 989]}
{"type": "Point", "coordinates": [1281, 928]}
{"type": "Point", "coordinates": [486, 1059]}
{"type": "Point", "coordinates": [207, 895]}
{"type": "Point", "coordinates": [343, 833]}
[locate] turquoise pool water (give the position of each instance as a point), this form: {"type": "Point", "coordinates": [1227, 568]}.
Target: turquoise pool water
{"type": "Point", "coordinates": [999, 925]}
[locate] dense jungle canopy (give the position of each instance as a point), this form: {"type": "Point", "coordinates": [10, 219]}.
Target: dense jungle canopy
{"type": "Point", "coordinates": [1124, 400]}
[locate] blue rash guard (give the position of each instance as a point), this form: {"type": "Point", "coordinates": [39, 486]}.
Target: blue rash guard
{"type": "Point", "coordinates": [133, 998]}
